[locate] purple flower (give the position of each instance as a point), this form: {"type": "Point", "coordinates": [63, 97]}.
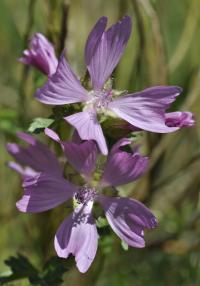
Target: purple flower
{"type": "Point", "coordinates": [104, 48]}
{"type": "Point", "coordinates": [47, 189]}
{"type": "Point", "coordinates": [172, 119]}
{"type": "Point", "coordinates": [40, 54]}
{"type": "Point", "coordinates": [32, 159]}
{"type": "Point", "coordinates": [179, 119]}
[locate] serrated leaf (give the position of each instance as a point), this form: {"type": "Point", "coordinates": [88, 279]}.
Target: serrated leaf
{"type": "Point", "coordinates": [54, 270]}
{"type": "Point", "coordinates": [20, 268]}
{"type": "Point", "coordinates": [40, 123]}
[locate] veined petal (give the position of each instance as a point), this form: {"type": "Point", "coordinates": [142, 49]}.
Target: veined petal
{"type": "Point", "coordinates": [123, 167]}
{"type": "Point", "coordinates": [146, 109]}
{"type": "Point", "coordinates": [52, 134]}
{"type": "Point", "coordinates": [107, 51]}
{"type": "Point", "coordinates": [76, 138]}
{"type": "Point", "coordinates": [179, 119]}
{"type": "Point", "coordinates": [82, 156]}
{"type": "Point", "coordinates": [36, 156]}
{"type": "Point", "coordinates": [63, 87]}
{"type": "Point", "coordinates": [41, 55]}
{"type": "Point", "coordinates": [23, 171]}
{"type": "Point", "coordinates": [44, 192]}
{"type": "Point", "coordinates": [88, 128]}
{"type": "Point", "coordinates": [78, 235]}
{"type": "Point", "coordinates": [94, 39]}
{"type": "Point", "coordinates": [128, 218]}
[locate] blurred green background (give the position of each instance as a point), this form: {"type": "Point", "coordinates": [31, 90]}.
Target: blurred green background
{"type": "Point", "coordinates": [164, 49]}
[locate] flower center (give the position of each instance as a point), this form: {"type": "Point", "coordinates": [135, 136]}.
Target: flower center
{"type": "Point", "coordinates": [100, 99]}
{"type": "Point", "coordinates": [85, 194]}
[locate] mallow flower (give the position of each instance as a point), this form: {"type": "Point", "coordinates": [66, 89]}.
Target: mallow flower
{"type": "Point", "coordinates": [47, 188]}
{"type": "Point", "coordinates": [179, 119]}
{"type": "Point", "coordinates": [37, 157]}
{"type": "Point", "coordinates": [103, 50]}
{"type": "Point", "coordinates": [41, 55]}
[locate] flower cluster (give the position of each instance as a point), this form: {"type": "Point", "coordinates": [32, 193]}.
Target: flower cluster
{"type": "Point", "coordinates": [44, 182]}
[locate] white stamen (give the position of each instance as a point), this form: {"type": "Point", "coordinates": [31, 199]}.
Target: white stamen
{"type": "Point", "coordinates": [99, 99]}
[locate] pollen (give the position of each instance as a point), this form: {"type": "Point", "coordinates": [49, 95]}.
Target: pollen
{"type": "Point", "coordinates": [85, 194]}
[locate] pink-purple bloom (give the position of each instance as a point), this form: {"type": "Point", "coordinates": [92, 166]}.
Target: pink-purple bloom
{"type": "Point", "coordinates": [46, 188]}
{"type": "Point", "coordinates": [34, 158]}
{"type": "Point", "coordinates": [179, 119]}
{"type": "Point", "coordinates": [41, 55]}
{"type": "Point", "coordinates": [103, 50]}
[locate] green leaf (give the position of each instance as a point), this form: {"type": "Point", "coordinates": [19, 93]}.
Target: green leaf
{"type": "Point", "coordinates": [54, 270]}
{"type": "Point", "coordinates": [20, 268]}
{"type": "Point", "coordinates": [39, 124]}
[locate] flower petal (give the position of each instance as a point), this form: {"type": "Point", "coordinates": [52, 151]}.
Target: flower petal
{"type": "Point", "coordinates": [123, 167]}
{"type": "Point", "coordinates": [43, 192]}
{"type": "Point", "coordinates": [78, 235]}
{"type": "Point", "coordinates": [88, 128]}
{"type": "Point", "coordinates": [81, 156]}
{"type": "Point", "coordinates": [63, 87]}
{"type": "Point", "coordinates": [76, 138]}
{"type": "Point", "coordinates": [128, 218]}
{"type": "Point", "coordinates": [106, 52]}
{"type": "Point", "coordinates": [37, 155]}
{"type": "Point", "coordinates": [179, 119]}
{"type": "Point", "coordinates": [23, 171]}
{"type": "Point", "coordinates": [146, 109]}
{"type": "Point", "coordinates": [94, 39]}
{"type": "Point", "coordinates": [52, 134]}
{"type": "Point", "coordinates": [41, 55]}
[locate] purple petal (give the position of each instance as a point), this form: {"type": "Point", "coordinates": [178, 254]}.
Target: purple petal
{"type": "Point", "coordinates": [23, 171]}
{"type": "Point", "coordinates": [76, 138]}
{"type": "Point", "coordinates": [15, 166]}
{"type": "Point", "coordinates": [102, 55]}
{"type": "Point", "coordinates": [41, 55]}
{"type": "Point", "coordinates": [179, 119]}
{"type": "Point", "coordinates": [52, 134]}
{"type": "Point", "coordinates": [94, 39]}
{"type": "Point", "coordinates": [81, 156]}
{"type": "Point", "coordinates": [63, 87]}
{"type": "Point", "coordinates": [128, 218]}
{"type": "Point", "coordinates": [43, 192]}
{"type": "Point", "coordinates": [146, 109]}
{"type": "Point", "coordinates": [27, 138]}
{"type": "Point", "coordinates": [88, 128]}
{"type": "Point", "coordinates": [78, 235]}
{"type": "Point", "coordinates": [123, 167]}
{"type": "Point", "coordinates": [120, 143]}
{"type": "Point", "coordinates": [36, 156]}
